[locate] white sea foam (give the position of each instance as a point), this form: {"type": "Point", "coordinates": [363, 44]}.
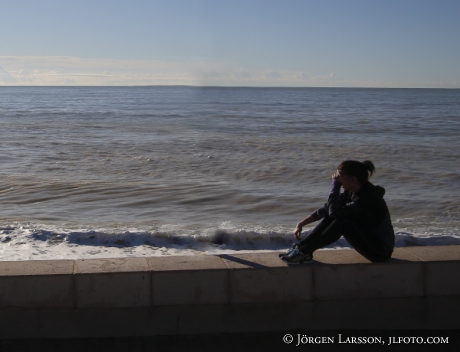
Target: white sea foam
{"type": "Point", "coordinates": [38, 242]}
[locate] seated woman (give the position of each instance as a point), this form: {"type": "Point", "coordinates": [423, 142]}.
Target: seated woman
{"type": "Point", "coordinates": [359, 214]}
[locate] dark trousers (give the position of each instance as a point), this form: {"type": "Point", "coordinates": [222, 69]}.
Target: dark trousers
{"type": "Point", "coordinates": [329, 230]}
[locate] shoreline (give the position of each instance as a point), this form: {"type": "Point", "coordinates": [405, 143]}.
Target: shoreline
{"type": "Point", "coordinates": [24, 244]}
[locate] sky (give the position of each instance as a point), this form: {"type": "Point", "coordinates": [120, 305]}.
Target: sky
{"type": "Point", "coordinates": [296, 43]}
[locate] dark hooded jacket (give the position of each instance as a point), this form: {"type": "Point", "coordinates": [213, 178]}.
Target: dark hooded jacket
{"type": "Point", "coordinates": [366, 209]}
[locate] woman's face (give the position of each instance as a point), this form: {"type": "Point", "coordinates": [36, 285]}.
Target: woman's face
{"type": "Point", "coordinates": [348, 183]}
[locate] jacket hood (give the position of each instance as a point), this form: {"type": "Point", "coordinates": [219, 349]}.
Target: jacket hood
{"type": "Point", "coordinates": [369, 188]}
{"type": "Point", "coordinates": [379, 190]}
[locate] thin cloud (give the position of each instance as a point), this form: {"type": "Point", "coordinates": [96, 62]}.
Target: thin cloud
{"type": "Point", "coordinates": [78, 71]}
{"type": "Point", "coordinates": [63, 70]}
{"type": "Point", "coordinates": [303, 75]}
{"type": "Point", "coordinates": [242, 74]}
{"type": "Point", "coordinates": [211, 74]}
{"type": "Point", "coordinates": [273, 75]}
{"type": "Point", "coordinates": [6, 77]}
{"type": "Point", "coordinates": [329, 77]}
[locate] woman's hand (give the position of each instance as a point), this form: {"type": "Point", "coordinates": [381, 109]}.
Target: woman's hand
{"type": "Point", "coordinates": [337, 177]}
{"type": "Point", "coordinates": [297, 232]}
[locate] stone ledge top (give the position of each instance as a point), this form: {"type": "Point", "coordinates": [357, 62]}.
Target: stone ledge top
{"type": "Point", "coordinates": [191, 262]}
{"type": "Point", "coordinates": [435, 253]}
{"type": "Point", "coordinates": [349, 256]}
{"type": "Point", "coordinates": [112, 265]}
{"type": "Point", "coordinates": [252, 260]}
{"type": "Point", "coordinates": [37, 267]}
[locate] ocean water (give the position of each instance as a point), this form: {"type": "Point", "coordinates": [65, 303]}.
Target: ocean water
{"type": "Point", "coordinates": [144, 171]}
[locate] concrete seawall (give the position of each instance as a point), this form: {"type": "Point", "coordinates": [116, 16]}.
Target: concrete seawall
{"type": "Point", "coordinates": [419, 288]}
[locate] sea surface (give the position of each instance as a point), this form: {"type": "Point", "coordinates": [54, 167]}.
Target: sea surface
{"type": "Point", "coordinates": [145, 171]}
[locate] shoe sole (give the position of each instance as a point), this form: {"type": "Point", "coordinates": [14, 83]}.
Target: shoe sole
{"type": "Point", "coordinates": [299, 263]}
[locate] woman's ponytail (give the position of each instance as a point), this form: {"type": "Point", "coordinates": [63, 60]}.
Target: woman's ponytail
{"type": "Point", "coordinates": [369, 167]}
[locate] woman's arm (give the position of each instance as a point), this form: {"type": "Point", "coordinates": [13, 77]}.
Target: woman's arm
{"type": "Point", "coordinates": [330, 207]}
{"type": "Point", "coordinates": [334, 203]}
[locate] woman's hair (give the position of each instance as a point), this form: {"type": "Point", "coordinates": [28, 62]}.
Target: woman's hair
{"type": "Point", "coordinates": [361, 170]}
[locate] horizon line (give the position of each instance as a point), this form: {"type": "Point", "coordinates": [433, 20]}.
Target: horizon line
{"type": "Point", "coordinates": [213, 86]}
